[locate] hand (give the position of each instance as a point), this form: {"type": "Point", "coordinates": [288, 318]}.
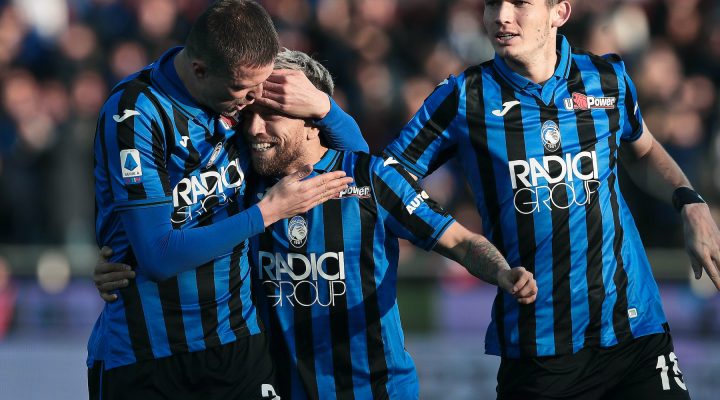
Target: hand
{"type": "Point", "coordinates": [702, 241]}
{"type": "Point", "coordinates": [519, 282]}
{"type": "Point", "coordinates": [292, 195]}
{"type": "Point", "coordinates": [110, 276]}
{"type": "Point", "coordinates": [291, 92]}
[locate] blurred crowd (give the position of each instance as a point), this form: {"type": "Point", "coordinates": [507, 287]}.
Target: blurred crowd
{"type": "Point", "coordinates": [60, 58]}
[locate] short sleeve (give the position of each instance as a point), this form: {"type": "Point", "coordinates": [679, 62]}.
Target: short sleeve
{"type": "Point", "coordinates": [133, 150]}
{"type": "Point", "coordinates": [632, 126]}
{"type": "Point", "coordinates": [424, 143]}
{"type": "Point", "coordinates": [409, 212]}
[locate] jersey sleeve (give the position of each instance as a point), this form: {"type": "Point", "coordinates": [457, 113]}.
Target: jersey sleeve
{"type": "Point", "coordinates": [133, 145]}
{"type": "Point", "coordinates": [341, 131]}
{"type": "Point", "coordinates": [632, 126]}
{"type": "Point", "coordinates": [409, 212]}
{"type": "Point", "coordinates": [428, 140]}
{"type": "Point", "coordinates": [163, 252]}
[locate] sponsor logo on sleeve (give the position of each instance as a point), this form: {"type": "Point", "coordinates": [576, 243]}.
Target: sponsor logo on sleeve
{"type": "Point", "coordinates": [130, 165]}
{"type": "Point", "coordinates": [267, 391]}
{"type": "Point", "coordinates": [416, 202]}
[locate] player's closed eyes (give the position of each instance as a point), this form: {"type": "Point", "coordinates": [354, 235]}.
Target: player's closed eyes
{"type": "Point", "coordinates": [517, 3]}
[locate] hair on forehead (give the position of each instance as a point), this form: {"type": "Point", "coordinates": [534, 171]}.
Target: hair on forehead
{"type": "Point", "coordinates": [318, 75]}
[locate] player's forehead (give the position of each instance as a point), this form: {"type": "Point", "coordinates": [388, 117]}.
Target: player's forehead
{"type": "Point", "coordinates": [268, 113]}
{"type": "Point", "coordinates": [242, 76]}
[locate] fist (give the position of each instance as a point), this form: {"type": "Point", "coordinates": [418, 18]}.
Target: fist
{"type": "Point", "coordinates": [520, 283]}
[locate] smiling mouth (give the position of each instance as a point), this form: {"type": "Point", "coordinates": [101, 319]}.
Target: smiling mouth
{"type": "Point", "coordinates": [504, 37]}
{"type": "Point", "coordinates": [261, 147]}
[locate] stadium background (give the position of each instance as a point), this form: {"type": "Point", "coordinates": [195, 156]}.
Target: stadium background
{"type": "Point", "coordinates": [59, 58]}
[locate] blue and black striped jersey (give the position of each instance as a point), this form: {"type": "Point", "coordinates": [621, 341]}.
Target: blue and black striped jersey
{"type": "Point", "coordinates": [542, 163]}
{"type": "Point", "coordinates": [155, 146]}
{"type": "Point", "coordinates": [325, 283]}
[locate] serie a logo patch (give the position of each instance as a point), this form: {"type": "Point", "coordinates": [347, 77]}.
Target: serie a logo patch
{"type": "Point", "coordinates": [131, 167]}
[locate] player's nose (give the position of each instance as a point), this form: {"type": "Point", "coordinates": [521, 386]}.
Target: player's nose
{"type": "Point", "coordinates": [254, 123]}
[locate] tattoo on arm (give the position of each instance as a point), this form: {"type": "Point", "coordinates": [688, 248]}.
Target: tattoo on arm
{"type": "Point", "coordinates": [483, 260]}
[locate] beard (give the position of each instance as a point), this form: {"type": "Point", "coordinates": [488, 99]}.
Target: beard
{"type": "Point", "coordinates": [280, 162]}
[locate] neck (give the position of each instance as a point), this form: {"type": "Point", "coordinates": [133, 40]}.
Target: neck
{"type": "Point", "coordinates": [312, 153]}
{"type": "Point", "coordinates": [539, 68]}
{"type": "Point", "coordinates": [183, 67]}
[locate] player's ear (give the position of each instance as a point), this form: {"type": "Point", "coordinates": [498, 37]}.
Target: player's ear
{"type": "Point", "coordinates": [199, 68]}
{"type": "Point", "coordinates": [560, 13]}
{"type": "Point", "coordinates": [311, 131]}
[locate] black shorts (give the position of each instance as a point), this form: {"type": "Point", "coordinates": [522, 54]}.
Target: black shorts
{"type": "Point", "coordinates": [239, 370]}
{"type": "Point", "coordinates": [642, 368]}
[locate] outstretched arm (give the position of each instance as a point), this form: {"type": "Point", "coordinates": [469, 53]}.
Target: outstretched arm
{"type": "Point", "coordinates": [484, 261]}
{"type": "Point", "coordinates": [653, 170]}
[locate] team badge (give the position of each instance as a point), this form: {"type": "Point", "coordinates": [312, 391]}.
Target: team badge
{"type": "Point", "coordinates": [550, 135]}
{"type": "Point", "coordinates": [131, 168]}
{"type": "Point", "coordinates": [214, 155]}
{"type": "Point", "coordinates": [297, 231]}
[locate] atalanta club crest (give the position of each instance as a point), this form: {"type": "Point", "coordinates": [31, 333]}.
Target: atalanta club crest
{"type": "Point", "coordinates": [550, 135]}
{"type": "Point", "coordinates": [297, 231]}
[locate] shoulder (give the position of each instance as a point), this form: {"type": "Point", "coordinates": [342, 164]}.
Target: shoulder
{"type": "Point", "coordinates": [136, 94]}
{"type": "Point", "coordinates": [364, 167]}
{"type": "Point", "coordinates": [478, 69]}
{"type": "Point", "coordinates": [389, 170]}
{"type": "Point", "coordinates": [606, 61]}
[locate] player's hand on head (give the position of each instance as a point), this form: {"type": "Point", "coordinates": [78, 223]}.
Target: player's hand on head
{"type": "Point", "coordinates": [702, 241]}
{"type": "Point", "coordinates": [291, 92]}
{"type": "Point", "coordinates": [110, 276]}
{"type": "Point", "coordinates": [294, 194]}
{"type": "Point", "coordinates": [520, 283]}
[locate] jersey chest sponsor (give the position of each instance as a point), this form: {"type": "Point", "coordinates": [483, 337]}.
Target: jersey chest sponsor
{"type": "Point", "coordinates": [301, 280]}
{"type": "Point", "coordinates": [193, 195]}
{"type": "Point", "coordinates": [548, 182]}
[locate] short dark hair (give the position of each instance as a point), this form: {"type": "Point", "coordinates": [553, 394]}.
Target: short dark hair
{"type": "Point", "coordinates": [232, 33]}
{"type": "Point", "coordinates": [316, 73]}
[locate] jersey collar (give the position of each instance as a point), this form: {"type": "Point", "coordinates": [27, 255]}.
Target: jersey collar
{"type": "Point", "coordinates": [327, 161]}
{"type": "Point", "coordinates": [546, 90]}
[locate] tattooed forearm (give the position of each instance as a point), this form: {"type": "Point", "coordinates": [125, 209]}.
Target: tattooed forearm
{"type": "Point", "coordinates": [483, 260]}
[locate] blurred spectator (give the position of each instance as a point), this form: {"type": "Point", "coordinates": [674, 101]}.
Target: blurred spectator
{"type": "Point", "coordinates": [59, 59]}
{"type": "Point", "coordinates": [8, 294]}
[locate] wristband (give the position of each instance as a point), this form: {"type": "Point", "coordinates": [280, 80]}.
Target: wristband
{"type": "Point", "coordinates": [684, 195]}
